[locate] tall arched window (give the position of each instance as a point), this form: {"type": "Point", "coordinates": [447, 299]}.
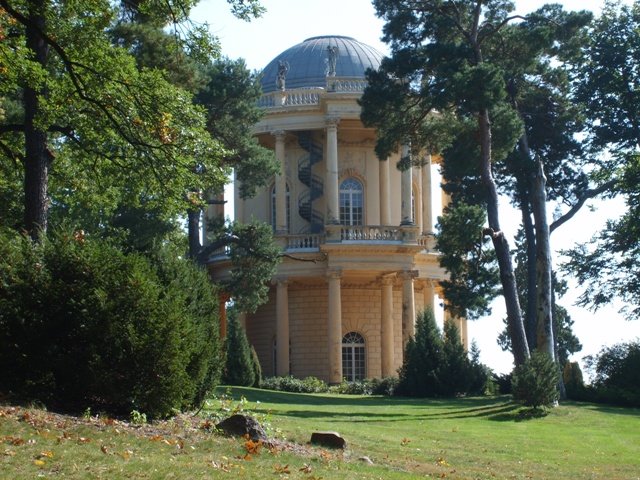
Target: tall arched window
{"type": "Point", "coordinates": [273, 208]}
{"type": "Point", "coordinates": [351, 202]}
{"type": "Point", "coordinates": [353, 357]}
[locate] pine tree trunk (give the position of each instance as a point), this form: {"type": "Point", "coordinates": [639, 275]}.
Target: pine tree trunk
{"type": "Point", "coordinates": [515, 324]}
{"type": "Point", "coordinates": [544, 285]}
{"type": "Point", "coordinates": [529, 232]}
{"type": "Point", "coordinates": [37, 156]}
{"type": "Point", "coordinates": [544, 328]}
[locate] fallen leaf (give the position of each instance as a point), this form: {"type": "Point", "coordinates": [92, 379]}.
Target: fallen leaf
{"type": "Point", "coordinates": [277, 468]}
{"type": "Point", "coordinates": [47, 454]}
{"type": "Point", "coordinates": [252, 447]}
{"type": "Point", "coordinates": [84, 440]}
{"type": "Point", "coordinates": [405, 441]}
{"type": "Point", "coordinates": [126, 454]}
{"type": "Point", "coordinates": [39, 463]}
{"type": "Point", "coordinates": [305, 468]}
{"type": "Point", "coordinates": [103, 449]}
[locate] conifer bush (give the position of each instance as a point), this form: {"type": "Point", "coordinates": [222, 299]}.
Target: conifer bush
{"type": "Point", "coordinates": [239, 367]}
{"type": "Point", "coordinates": [83, 324]}
{"type": "Point", "coordinates": [535, 382]}
{"type": "Point", "coordinates": [436, 364]}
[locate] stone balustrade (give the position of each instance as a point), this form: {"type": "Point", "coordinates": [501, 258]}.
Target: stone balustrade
{"type": "Point", "coordinates": [362, 234]}
{"type": "Point", "coordinates": [301, 242]}
{"type": "Point", "coordinates": [310, 97]}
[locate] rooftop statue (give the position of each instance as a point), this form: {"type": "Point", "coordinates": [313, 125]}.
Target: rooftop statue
{"type": "Point", "coordinates": [332, 52]}
{"type": "Point", "coordinates": [283, 68]}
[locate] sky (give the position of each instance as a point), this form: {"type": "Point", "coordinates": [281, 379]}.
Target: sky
{"type": "Point", "coordinates": [289, 22]}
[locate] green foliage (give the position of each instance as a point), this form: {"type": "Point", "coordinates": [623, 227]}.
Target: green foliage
{"type": "Point", "coordinates": [254, 258]}
{"type": "Point", "coordinates": [83, 324]}
{"type": "Point", "coordinates": [573, 380]}
{"type": "Point", "coordinates": [617, 374]}
{"type": "Point", "coordinates": [239, 367]}
{"type": "Point", "coordinates": [535, 382]}
{"type": "Point", "coordinates": [229, 96]}
{"type": "Point", "coordinates": [423, 358]}
{"type": "Point", "coordinates": [472, 269]}
{"type": "Point", "coordinates": [436, 364]}
{"type": "Point", "coordinates": [295, 385]}
{"type": "Point", "coordinates": [257, 368]}
{"type": "Point", "coordinates": [608, 84]}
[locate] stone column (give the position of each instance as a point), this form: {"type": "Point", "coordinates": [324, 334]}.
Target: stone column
{"type": "Point", "coordinates": [429, 293]}
{"type": "Point", "coordinates": [405, 191]}
{"type": "Point", "coordinates": [408, 306]}
{"type": "Point", "coordinates": [334, 330]}
{"type": "Point", "coordinates": [332, 215]}
{"type": "Point", "coordinates": [282, 327]}
{"type": "Point", "coordinates": [385, 188]}
{"type": "Point", "coordinates": [427, 201]}
{"type": "Point", "coordinates": [281, 185]}
{"type": "Point", "coordinates": [386, 322]}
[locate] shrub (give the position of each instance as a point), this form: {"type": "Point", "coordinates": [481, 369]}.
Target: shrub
{"type": "Point", "coordinates": [359, 387]}
{"type": "Point", "coordinates": [535, 382]}
{"type": "Point", "coordinates": [384, 386]}
{"type": "Point", "coordinates": [295, 385]}
{"type": "Point", "coordinates": [479, 376]}
{"type": "Point", "coordinates": [257, 368]}
{"type": "Point", "coordinates": [436, 364]}
{"type": "Point", "coordinates": [503, 382]}
{"type": "Point", "coordinates": [573, 381]}
{"type": "Point", "coordinates": [617, 374]}
{"type": "Point", "coordinates": [239, 367]}
{"type": "Point", "coordinates": [83, 324]}
{"type": "Point", "coordinates": [420, 371]}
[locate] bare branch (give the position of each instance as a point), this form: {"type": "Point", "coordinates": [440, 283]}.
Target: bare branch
{"type": "Point", "coordinates": [587, 195]}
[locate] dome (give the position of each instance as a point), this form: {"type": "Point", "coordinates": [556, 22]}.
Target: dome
{"type": "Point", "coordinates": [308, 63]}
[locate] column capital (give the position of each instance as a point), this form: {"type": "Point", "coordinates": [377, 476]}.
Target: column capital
{"type": "Point", "coordinates": [334, 273]}
{"type": "Point", "coordinates": [409, 274]}
{"type": "Point", "coordinates": [280, 280]}
{"type": "Point", "coordinates": [279, 134]}
{"type": "Point", "coordinates": [331, 122]}
{"type": "Point", "coordinates": [387, 278]}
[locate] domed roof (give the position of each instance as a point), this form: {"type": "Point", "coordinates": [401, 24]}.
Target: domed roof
{"type": "Point", "coordinates": [308, 63]}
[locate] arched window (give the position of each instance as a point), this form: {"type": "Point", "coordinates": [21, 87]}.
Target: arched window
{"type": "Point", "coordinates": [353, 357]}
{"type": "Point", "coordinates": [273, 208]}
{"type": "Point", "coordinates": [351, 202]}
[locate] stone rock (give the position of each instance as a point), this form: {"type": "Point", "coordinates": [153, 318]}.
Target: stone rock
{"type": "Point", "coordinates": [328, 439]}
{"type": "Point", "coordinates": [240, 425]}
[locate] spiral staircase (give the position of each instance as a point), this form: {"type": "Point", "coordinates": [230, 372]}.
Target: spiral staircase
{"type": "Point", "coordinates": [312, 181]}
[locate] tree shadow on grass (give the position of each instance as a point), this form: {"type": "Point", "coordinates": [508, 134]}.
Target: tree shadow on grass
{"type": "Point", "coordinates": [519, 414]}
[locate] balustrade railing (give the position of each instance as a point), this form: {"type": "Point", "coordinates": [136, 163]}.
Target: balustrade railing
{"type": "Point", "coordinates": [304, 241]}
{"type": "Point", "coordinates": [301, 97]}
{"type": "Point", "coordinates": [346, 84]}
{"type": "Point", "coordinates": [370, 233]}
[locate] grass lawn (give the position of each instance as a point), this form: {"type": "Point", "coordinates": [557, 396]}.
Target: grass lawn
{"type": "Point", "coordinates": [475, 438]}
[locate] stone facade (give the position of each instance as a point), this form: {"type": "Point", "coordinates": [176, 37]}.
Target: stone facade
{"type": "Point", "coordinates": [367, 226]}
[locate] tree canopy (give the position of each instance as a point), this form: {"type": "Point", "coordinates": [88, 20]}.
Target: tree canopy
{"type": "Point", "coordinates": [488, 90]}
